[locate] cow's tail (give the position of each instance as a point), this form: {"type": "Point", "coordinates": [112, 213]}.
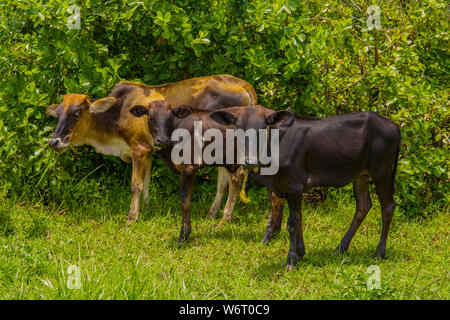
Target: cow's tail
{"type": "Point", "coordinates": [243, 194]}
{"type": "Point", "coordinates": [394, 170]}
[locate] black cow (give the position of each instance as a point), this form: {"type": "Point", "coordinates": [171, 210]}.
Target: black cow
{"type": "Point", "coordinates": [328, 152]}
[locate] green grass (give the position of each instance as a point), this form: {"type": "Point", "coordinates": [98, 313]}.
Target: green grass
{"type": "Point", "coordinates": [38, 243]}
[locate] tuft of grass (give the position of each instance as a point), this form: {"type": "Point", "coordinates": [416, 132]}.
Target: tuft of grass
{"type": "Point", "coordinates": [39, 244]}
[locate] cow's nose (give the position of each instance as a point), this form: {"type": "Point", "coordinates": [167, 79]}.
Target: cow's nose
{"type": "Point", "coordinates": [53, 142]}
{"type": "Point", "coordinates": [161, 142]}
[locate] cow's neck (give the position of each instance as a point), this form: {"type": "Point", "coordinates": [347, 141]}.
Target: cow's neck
{"type": "Point", "coordinates": [104, 124]}
{"type": "Point", "coordinates": [104, 136]}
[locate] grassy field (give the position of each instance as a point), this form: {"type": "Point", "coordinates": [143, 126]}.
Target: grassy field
{"type": "Point", "coordinates": [38, 244]}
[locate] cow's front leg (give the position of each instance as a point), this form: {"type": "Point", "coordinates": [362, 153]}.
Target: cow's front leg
{"type": "Point", "coordinates": [187, 184]}
{"type": "Point", "coordinates": [294, 226]}
{"type": "Point", "coordinates": [140, 158]}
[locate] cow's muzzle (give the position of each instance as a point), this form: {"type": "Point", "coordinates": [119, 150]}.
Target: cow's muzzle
{"type": "Point", "coordinates": [161, 143]}
{"type": "Point", "coordinates": [57, 144]}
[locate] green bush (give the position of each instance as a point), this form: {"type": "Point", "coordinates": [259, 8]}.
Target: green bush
{"type": "Point", "coordinates": [317, 57]}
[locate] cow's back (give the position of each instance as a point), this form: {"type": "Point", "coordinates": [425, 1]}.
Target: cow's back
{"type": "Point", "coordinates": [209, 92]}
{"type": "Point", "coordinates": [331, 149]}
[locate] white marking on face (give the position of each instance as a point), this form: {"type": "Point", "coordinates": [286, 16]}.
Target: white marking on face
{"type": "Point", "coordinates": [57, 144]}
{"type": "Point", "coordinates": [63, 145]}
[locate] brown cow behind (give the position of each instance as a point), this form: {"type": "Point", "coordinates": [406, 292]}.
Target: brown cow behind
{"type": "Point", "coordinates": [108, 126]}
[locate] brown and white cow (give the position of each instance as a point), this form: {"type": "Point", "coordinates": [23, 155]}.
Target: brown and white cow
{"type": "Point", "coordinates": [107, 125]}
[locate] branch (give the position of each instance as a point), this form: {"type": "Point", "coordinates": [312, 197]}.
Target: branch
{"type": "Point", "coordinates": [350, 85]}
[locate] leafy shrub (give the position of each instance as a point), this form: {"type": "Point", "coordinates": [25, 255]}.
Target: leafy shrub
{"type": "Point", "coordinates": [316, 57]}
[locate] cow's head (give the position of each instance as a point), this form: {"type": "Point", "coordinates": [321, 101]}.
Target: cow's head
{"type": "Point", "coordinates": [160, 119]}
{"type": "Point", "coordinates": [74, 118]}
{"type": "Point", "coordinates": [255, 118]}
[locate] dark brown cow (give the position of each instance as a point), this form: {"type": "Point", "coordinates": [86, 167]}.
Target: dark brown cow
{"type": "Point", "coordinates": [163, 121]}
{"type": "Point", "coordinates": [329, 152]}
{"type": "Point", "coordinates": [108, 125]}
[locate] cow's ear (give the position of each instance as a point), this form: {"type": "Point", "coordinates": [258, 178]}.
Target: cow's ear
{"type": "Point", "coordinates": [101, 105]}
{"type": "Point", "coordinates": [223, 118]}
{"type": "Point", "coordinates": [51, 110]}
{"type": "Point", "coordinates": [138, 111]}
{"type": "Point", "coordinates": [283, 117]}
{"type": "Point", "coordinates": [182, 112]}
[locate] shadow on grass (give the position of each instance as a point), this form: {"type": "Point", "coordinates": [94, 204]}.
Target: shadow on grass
{"type": "Point", "coordinates": [197, 237]}
{"type": "Point", "coordinates": [199, 213]}
{"type": "Point", "coordinates": [328, 256]}
{"type": "Point", "coordinates": [233, 234]}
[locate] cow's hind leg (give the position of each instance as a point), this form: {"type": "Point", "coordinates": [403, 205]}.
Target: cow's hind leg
{"type": "Point", "coordinates": [222, 184]}
{"type": "Point", "coordinates": [387, 203]}
{"type": "Point", "coordinates": [148, 173]}
{"type": "Point", "coordinates": [363, 205]}
{"type": "Point", "coordinates": [234, 185]}
{"type": "Point", "coordinates": [275, 216]}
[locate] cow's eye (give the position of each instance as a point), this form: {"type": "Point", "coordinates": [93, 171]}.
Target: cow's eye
{"type": "Point", "coordinates": [76, 114]}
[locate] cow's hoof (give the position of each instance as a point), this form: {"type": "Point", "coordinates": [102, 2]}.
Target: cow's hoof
{"type": "Point", "coordinates": [184, 236]}
{"type": "Point", "coordinates": [290, 267]}
{"type": "Point", "coordinates": [180, 241]}
{"type": "Point", "coordinates": [341, 249]}
{"type": "Point", "coordinates": [228, 217]}
{"type": "Point", "coordinates": [213, 213]}
{"type": "Point", "coordinates": [292, 260]}
{"type": "Point", "coordinates": [221, 223]}
{"type": "Point", "coordinates": [380, 254]}
{"type": "Point", "coordinates": [129, 223]}
{"type": "Point", "coordinates": [267, 238]}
